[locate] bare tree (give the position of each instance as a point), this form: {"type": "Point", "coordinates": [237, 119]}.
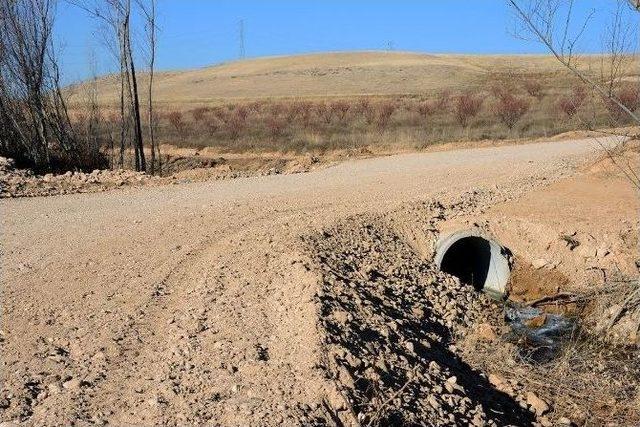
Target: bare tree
{"type": "Point", "coordinates": [26, 37]}
{"type": "Point", "coordinates": [617, 42]}
{"type": "Point", "coordinates": [34, 123]}
{"type": "Point", "coordinates": [149, 11]}
{"type": "Point", "coordinates": [133, 87]}
{"type": "Point", "coordinates": [117, 16]}
{"type": "Point", "coordinates": [542, 19]}
{"type": "Point", "coordinates": [550, 24]}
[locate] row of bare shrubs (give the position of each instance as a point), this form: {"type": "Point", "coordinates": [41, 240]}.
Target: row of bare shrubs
{"type": "Point", "coordinates": [507, 107]}
{"type": "Point", "coordinates": [444, 116]}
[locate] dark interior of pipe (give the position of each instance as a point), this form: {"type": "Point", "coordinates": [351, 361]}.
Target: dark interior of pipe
{"type": "Point", "coordinates": [468, 259]}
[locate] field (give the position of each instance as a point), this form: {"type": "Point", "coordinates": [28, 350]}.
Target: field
{"type": "Point", "coordinates": [371, 102]}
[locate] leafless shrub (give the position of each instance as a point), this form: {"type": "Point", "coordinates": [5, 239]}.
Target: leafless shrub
{"type": "Point", "coordinates": [367, 110]}
{"type": "Point", "coordinates": [533, 87]}
{"type": "Point", "coordinates": [118, 16]}
{"type": "Point", "coordinates": [324, 112]}
{"type": "Point", "coordinates": [510, 109]}
{"type": "Point", "coordinates": [364, 104]}
{"type": "Point", "coordinates": [275, 126]}
{"type": "Point", "coordinates": [385, 111]}
{"type": "Point", "coordinates": [199, 113]}
{"type": "Point", "coordinates": [425, 109]}
{"type": "Point", "coordinates": [304, 110]}
{"type": "Point", "coordinates": [236, 122]}
{"type": "Point", "coordinates": [552, 24]}
{"type": "Point", "coordinates": [79, 119]}
{"type": "Point", "coordinates": [295, 111]}
{"type": "Point", "coordinates": [213, 125]}
{"type": "Point", "coordinates": [443, 101]}
{"type": "Point", "coordinates": [277, 109]}
{"type": "Point", "coordinates": [570, 104]}
{"type": "Point", "coordinates": [221, 114]}
{"type": "Point", "coordinates": [35, 127]}
{"type": "Point", "coordinates": [255, 106]}
{"type": "Point", "coordinates": [499, 90]}
{"type": "Point", "coordinates": [370, 115]}
{"type": "Point", "coordinates": [467, 106]}
{"type": "Point", "coordinates": [175, 119]}
{"type": "Point", "coordinates": [242, 112]}
{"type": "Point", "coordinates": [340, 109]}
{"type": "Point", "coordinates": [629, 96]}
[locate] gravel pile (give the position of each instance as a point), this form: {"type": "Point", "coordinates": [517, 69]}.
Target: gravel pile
{"type": "Point", "coordinates": [390, 323]}
{"type": "Point", "coordinates": [24, 183]}
{"type": "Point", "coordinates": [175, 170]}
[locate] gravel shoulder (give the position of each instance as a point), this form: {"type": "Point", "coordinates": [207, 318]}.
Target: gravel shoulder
{"type": "Point", "coordinates": [197, 302]}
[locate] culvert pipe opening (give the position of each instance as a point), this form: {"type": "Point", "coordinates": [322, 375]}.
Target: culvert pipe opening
{"type": "Point", "coordinates": [475, 260]}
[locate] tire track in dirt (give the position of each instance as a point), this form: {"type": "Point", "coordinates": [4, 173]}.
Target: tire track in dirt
{"type": "Point", "coordinates": [168, 339]}
{"type": "Point", "coordinates": [231, 334]}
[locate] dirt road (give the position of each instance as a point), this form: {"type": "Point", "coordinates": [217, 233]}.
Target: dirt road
{"type": "Point", "coordinates": [194, 302]}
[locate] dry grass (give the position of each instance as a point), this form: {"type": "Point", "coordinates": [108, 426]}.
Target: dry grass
{"type": "Point", "coordinates": [382, 102]}
{"type": "Point", "coordinates": [340, 75]}
{"type": "Point", "coordinates": [595, 381]}
{"type": "Point", "coordinates": [379, 124]}
{"type": "Point", "coordinates": [591, 383]}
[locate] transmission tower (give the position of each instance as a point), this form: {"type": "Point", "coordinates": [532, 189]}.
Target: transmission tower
{"type": "Point", "coordinates": [241, 52]}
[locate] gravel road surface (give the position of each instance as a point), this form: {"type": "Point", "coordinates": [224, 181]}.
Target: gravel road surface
{"type": "Point", "coordinates": [194, 302]}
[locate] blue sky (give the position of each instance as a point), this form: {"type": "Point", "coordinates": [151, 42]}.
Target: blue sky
{"type": "Point", "coordinates": [196, 33]}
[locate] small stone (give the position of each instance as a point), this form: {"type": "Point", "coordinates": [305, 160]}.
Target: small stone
{"type": "Point", "coordinates": [477, 421]}
{"type": "Point", "coordinates": [602, 252]}
{"type": "Point", "coordinates": [353, 361]}
{"type": "Point", "coordinates": [381, 365]}
{"type": "Point", "coordinates": [564, 421]}
{"type": "Point", "coordinates": [539, 406]}
{"type": "Point", "coordinates": [545, 422]}
{"type": "Point", "coordinates": [410, 347]}
{"type": "Point", "coordinates": [500, 383]}
{"type": "Point", "coordinates": [485, 332]}
{"type": "Point", "coordinates": [539, 263]}
{"type": "Point", "coordinates": [53, 388]}
{"type": "Point", "coordinates": [73, 384]}
{"type": "Point", "coordinates": [341, 316]}
{"type": "Point", "coordinates": [433, 402]}
{"type": "Point", "coordinates": [345, 377]}
{"type": "Point", "coordinates": [418, 312]}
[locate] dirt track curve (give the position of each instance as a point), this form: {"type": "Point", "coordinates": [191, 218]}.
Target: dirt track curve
{"type": "Point", "coordinates": [194, 302]}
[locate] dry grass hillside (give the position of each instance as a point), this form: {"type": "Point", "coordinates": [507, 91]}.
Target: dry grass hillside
{"type": "Point", "coordinates": [359, 103]}
{"type": "Point", "coordinates": [339, 74]}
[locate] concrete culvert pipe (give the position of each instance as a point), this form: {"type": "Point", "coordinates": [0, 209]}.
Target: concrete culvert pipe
{"type": "Point", "coordinates": [476, 260]}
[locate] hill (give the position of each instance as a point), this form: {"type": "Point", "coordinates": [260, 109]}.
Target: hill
{"type": "Point", "coordinates": [371, 101]}
{"type": "Point", "coordinates": [335, 74]}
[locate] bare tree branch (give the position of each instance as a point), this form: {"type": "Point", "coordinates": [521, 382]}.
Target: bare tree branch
{"type": "Point", "coordinates": [542, 27]}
